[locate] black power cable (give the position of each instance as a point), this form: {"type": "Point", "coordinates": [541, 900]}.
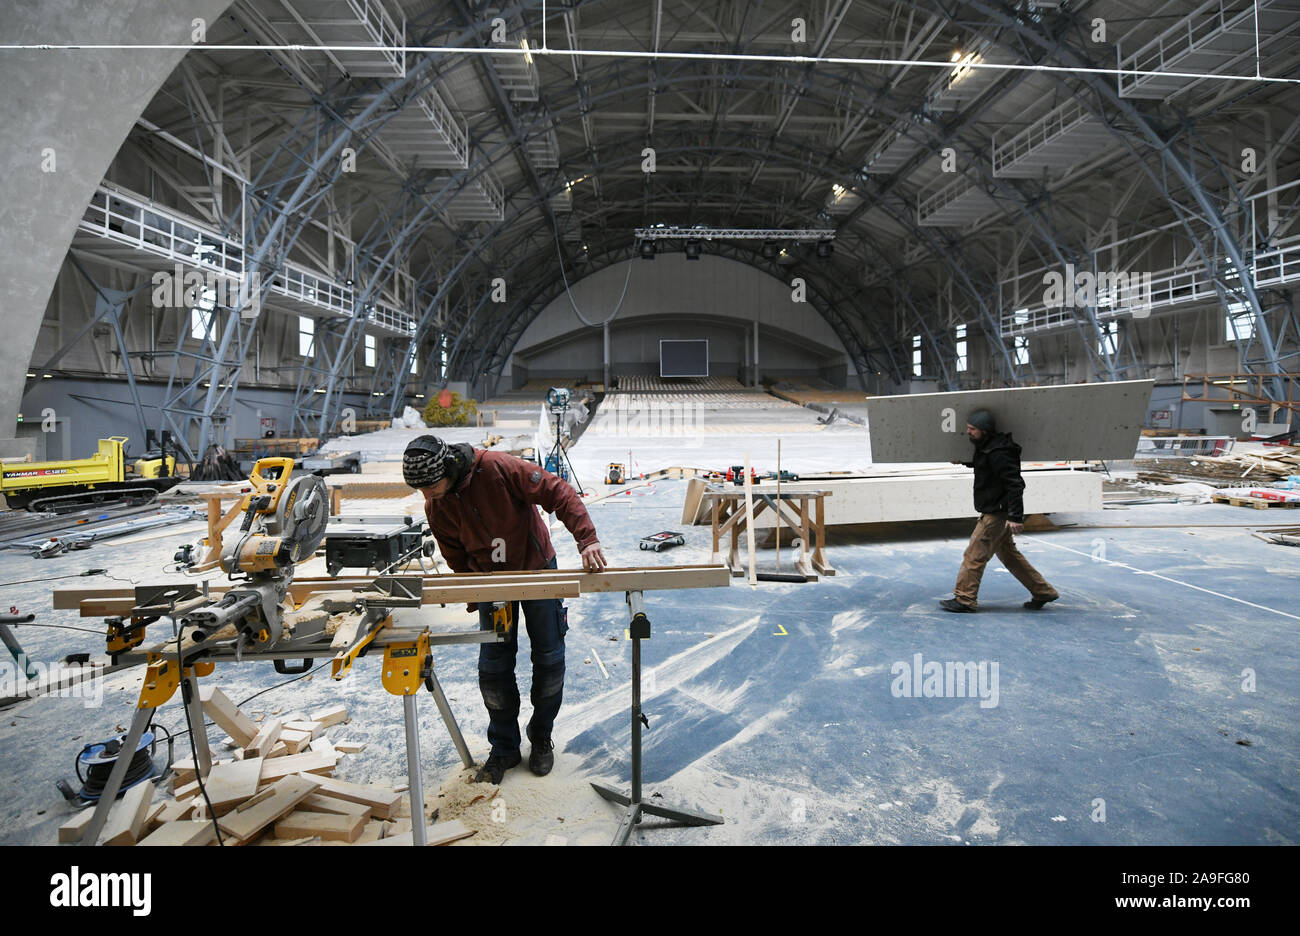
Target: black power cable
{"type": "Point", "coordinates": [96, 776]}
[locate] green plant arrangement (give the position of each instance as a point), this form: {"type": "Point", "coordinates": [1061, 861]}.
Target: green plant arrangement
{"type": "Point", "coordinates": [449, 409]}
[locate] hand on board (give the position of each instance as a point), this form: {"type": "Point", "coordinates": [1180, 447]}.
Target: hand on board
{"type": "Point", "coordinates": [593, 559]}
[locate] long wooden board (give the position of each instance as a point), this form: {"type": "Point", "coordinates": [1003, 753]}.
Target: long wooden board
{"type": "Point", "coordinates": [289, 792]}
{"type": "Point", "coordinates": [445, 589]}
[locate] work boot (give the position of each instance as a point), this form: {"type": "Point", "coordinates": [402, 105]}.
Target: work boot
{"type": "Point", "coordinates": [952, 604]}
{"type": "Point", "coordinates": [495, 767]}
{"type": "Point", "coordinates": [1034, 604]}
{"type": "Point", "coordinates": [542, 757]}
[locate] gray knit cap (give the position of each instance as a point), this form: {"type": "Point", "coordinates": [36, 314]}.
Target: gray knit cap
{"type": "Point", "coordinates": [424, 463]}
{"type": "Point", "coordinates": [982, 420]}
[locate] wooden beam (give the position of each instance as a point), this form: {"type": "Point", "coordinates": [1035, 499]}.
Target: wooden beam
{"type": "Point", "coordinates": [440, 833]}
{"type": "Point", "coordinates": [289, 792]}
{"type": "Point", "coordinates": [182, 832]}
{"type": "Point", "coordinates": [227, 715]}
{"type": "Point", "coordinates": [326, 826]}
{"type": "Point", "coordinates": [126, 820]}
{"type": "Point", "coordinates": [634, 578]}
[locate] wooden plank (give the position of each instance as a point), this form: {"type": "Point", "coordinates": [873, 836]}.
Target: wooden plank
{"type": "Point", "coordinates": [265, 739]}
{"type": "Point", "coordinates": [749, 522]}
{"type": "Point", "coordinates": [349, 747]}
{"type": "Point", "coordinates": [329, 717]}
{"type": "Point", "coordinates": [288, 793]}
{"type": "Point", "coordinates": [329, 826]}
{"type": "Point", "coordinates": [231, 784]}
{"type": "Point", "coordinates": [279, 750]}
{"type": "Point", "coordinates": [321, 745]}
{"type": "Point", "coordinates": [226, 714]}
{"type": "Point", "coordinates": [640, 578]}
{"type": "Point", "coordinates": [306, 762]}
{"type": "Point", "coordinates": [151, 820]}
{"type": "Point", "coordinates": [74, 828]}
{"type": "Point", "coordinates": [294, 740]}
{"type": "Point", "coordinates": [382, 802]}
{"type": "Point", "coordinates": [184, 832]}
{"type": "Point", "coordinates": [126, 820]}
{"type": "Point", "coordinates": [440, 833]}
{"type": "Point", "coordinates": [263, 794]}
{"type": "Point", "coordinates": [313, 729]}
{"type": "Point", "coordinates": [319, 802]}
{"type": "Point", "coordinates": [175, 810]}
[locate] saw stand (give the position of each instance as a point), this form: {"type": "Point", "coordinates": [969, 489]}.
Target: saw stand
{"type": "Point", "coordinates": [407, 665]}
{"type": "Point", "coordinates": [638, 630]}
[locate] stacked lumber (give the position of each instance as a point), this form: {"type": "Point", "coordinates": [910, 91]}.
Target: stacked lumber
{"type": "Point", "coordinates": [1234, 468]}
{"type": "Point", "coordinates": [278, 788]}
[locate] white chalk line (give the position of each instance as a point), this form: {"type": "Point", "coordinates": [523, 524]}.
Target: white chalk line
{"type": "Point", "coordinates": [1166, 578]}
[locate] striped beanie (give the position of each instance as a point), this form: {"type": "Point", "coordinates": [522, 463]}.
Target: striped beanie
{"type": "Point", "coordinates": [424, 463]}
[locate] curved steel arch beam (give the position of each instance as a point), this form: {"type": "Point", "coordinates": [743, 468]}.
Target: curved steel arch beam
{"type": "Point", "coordinates": [1071, 56]}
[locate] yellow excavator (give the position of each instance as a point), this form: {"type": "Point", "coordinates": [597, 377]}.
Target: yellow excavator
{"type": "Point", "coordinates": [105, 475]}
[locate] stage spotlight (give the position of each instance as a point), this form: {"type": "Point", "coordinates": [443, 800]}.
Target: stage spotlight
{"type": "Point", "coordinates": [771, 249]}
{"type": "Point", "coordinates": [825, 249]}
{"type": "Point", "coordinates": [647, 250]}
{"type": "Point", "coordinates": [693, 250]}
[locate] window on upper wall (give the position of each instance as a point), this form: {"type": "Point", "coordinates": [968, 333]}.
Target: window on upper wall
{"type": "Point", "coordinates": [204, 315]}
{"type": "Point", "coordinates": [1020, 344]}
{"type": "Point", "coordinates": [960, 335]}
{"type": "Point", "coordinates": [1239, 323]}
{"type": "Point", "coordinates": [370, 350]}
{"type": "Point", "coordinates": [306, 336]}
{"type": "Point", "coordinates": [916, 355]}
{"type": "Point", "coordinates": [1108, 343]}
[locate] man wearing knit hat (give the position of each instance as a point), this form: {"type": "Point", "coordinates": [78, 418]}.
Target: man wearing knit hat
{"type": "Point", "coordinates": [482, 509]}
{"type": "Point", "coordinates": [999, 491]}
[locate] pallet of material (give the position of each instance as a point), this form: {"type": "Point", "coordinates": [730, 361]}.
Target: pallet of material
{"type": "Point", "coordinates": [1251, 499]}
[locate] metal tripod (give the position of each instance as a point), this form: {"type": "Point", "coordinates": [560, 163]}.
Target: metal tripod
{"type": "Point", "coordinates": [638, 630]}
{"type": "Point", "coordinates": [557, 451]}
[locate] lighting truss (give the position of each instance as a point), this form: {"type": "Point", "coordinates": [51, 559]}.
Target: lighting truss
{"type": "Point", "coordinates": [710, 233]}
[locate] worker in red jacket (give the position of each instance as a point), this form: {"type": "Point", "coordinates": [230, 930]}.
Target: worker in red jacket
{"type": "Point", "coordinates": [482, 509]}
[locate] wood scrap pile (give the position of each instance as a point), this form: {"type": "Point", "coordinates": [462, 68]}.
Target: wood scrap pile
{"type": "Point", "coordinates": [1232, 468]}
{"type": "Point", "coordinates": [276, 788]}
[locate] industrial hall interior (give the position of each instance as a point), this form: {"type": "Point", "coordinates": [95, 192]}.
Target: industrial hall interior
{"type": "Point", "coordinates": [650, 422]}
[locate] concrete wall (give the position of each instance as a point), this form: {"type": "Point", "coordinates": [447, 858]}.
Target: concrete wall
{"type": "Point", "coordinates": [671, 297]}
{"type": "Point", "coordinates": [76, 108]}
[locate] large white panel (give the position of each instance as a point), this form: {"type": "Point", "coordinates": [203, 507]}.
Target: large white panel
{"type": "Point", "coordinates": [1076, 422]}
{"type": "Point", "coordinates": [928, 497]}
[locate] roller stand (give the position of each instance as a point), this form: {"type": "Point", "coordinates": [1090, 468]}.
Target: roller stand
{"type": "Point", "coordinates": [638, 630]}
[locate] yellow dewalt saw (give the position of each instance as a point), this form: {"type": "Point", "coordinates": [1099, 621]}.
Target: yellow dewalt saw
{"type": "Point", "coordinates": [284, 522]}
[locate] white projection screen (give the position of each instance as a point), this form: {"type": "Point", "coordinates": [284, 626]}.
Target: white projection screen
{"type": "Point", "coordinates": [682, 358]}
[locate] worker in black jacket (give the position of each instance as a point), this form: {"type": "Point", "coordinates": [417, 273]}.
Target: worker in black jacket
{"type": "Point", "coordinates": [999, 491]}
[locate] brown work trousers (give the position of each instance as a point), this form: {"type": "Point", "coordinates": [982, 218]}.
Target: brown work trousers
{"type": "Point", "coordinates": [992, 538]}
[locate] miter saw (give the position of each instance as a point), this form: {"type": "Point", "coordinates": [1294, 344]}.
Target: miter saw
{"type": "Point", "coordinates": [284, 521]}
